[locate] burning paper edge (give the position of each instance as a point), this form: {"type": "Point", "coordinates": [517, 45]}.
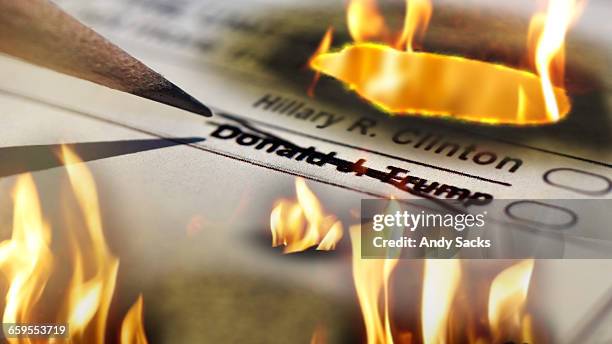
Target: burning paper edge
{"type": "Point", "coordinates": [546, 42]}
{"type": "Point", "coordinates": [334, 64]}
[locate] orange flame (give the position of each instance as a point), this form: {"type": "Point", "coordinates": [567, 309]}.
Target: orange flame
{"type": "Point", "coordinates": [364, 21]}
{"type": "Point", "coordinates": [324, 46]}
{"type": "Point", "coordinates": [132, 329]}
{"type": "Point", "coordinates": [418, 15]}
{"type": "Point", "coordinates": [26, 258]}
{"type": "Point", "coordinates": [26, 261]}
{"type": "Point", "coordinates": [507, 299]}
{"type": "Point", "coordinates": [441, 281]}
{"type": "Point", "coordinates": [371, 278]}
{"type": "Point", "coordinates": [89, 298]}
{"type": "Point", "coordinates": [303, 224]}
{"type": "Point", "coordinates": [546, 45]}
{"type": "Point", "coordinates": [409, 82]}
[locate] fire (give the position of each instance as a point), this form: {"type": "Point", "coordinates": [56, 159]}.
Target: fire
{"type": "Point", "coordinates": [360, 12]}
{"type": "Point", "coordinates": [26, 258]}
{"type": "Point", "coordinates": [384, 68]}
{"type": "Point", "coordinates": [372, 279]}
{"type": "Point", "coordinates": [324, 46]}
{"type": "Point", "coordinates": [443, 320]}
{"type": "Point", "coordinates": [26, 261]}
{"type": "Point", "coordinates": [441, 282]}
{"type": "Point", "coordinates": [366, 23]}
{"type": "Point", "coordinates": [507, 300]}
{"type": "Point", "coordinates": [89, 297]}
{"type": "Point", "coordinates": [418, 14]}
{"type": "Point", "coordinates": [300, 225]}
{"type": "Point", "coordinates": [132, 331]}
{"type": "Point", "coordinates": [550, 29]}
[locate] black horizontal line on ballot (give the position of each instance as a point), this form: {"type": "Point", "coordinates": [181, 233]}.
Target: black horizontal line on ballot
{"type": "Point", "coordinates": [279, 128]}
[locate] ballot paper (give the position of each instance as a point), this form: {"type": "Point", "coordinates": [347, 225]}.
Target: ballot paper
{"type": "Point", "coordinates": [225, 54]}
{"type": "Point", "coordinates": [246, 60]}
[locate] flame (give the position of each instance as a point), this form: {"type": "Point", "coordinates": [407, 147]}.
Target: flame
{"type": "Point", "coordinates": [385, 69]}
{"type": "Point", "coordinates": [303, 224]}
{"type": "Point", "coordinates": [371, 278]}
{"type": "Point", "coordinates": [434, 85]}
{"type": "Point", "coordinates": [319, 336]}
{"type": "Point", "coordinates": [132, 329]}
{"type": "Point", "coordinates": [418, 15]}
{"type": "Point", "coordinates": [439, 287]}
{"type": "Point", "coordinates": [26, 261]}
{"type": "Point", "coordinates": [89, 298]}
{"type": "Point", "coordinates": [441, 281]}
{"type": "Point", "coordinates": [547, 34]}
{"type": "Point", "coordinates": [507, 299]}
{"type": "Point", "coordinates": [324, 46]}
{"type": "Point", "coordinates": [365, 23]}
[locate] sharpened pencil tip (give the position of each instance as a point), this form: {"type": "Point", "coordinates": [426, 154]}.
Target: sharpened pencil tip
{"type": "Point", "coordinates": [41, 33]}
{"type": "Point", "coordinates": [172, 95]}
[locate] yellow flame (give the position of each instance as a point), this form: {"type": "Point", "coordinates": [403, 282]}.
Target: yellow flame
{"type": "Point", "coordinates": [369, 281]}
{"type": "Point", "coordinates": [303, 224]}
{"type": "Point", "coordinates": [324, 46]}
{"type": "Point", "coordinates": [527, 329]}
{"type": "Point", "coordinates": [507, 299]}
{"type": "Point", "coordinates": [550, 45]}
{"type": "Point", "coordinates": [439, 286]}
{"type": "Point", "coordinates": [435, 85]}
{"type": "Point", "coordinates": [371, 278]}
{"type": "Point", "coordinates": [365, 23]}
{"type": "Point", "coordinates": [132, 328]}
{"type": "Point", "coordinates": [25, 259]}
{"type": "Point", "coordinates": [26, 262]}
{"type": "Point", "coordinates": [86, 304]}
{"type": "Point", "coordinates": [441, 280]}
{"type": "Point", "coordinates": [406, 82]}
{"type": "Point", "coordinates": [418, 15]}
{"type": "Point", "coordinates": [389, 265]}
{"type": "Point", "coordinates": [331, 238]}
{"type": "Point", "coordinates": [89, 298]}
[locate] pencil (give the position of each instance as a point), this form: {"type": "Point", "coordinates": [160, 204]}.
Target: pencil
{"type": "Point", "coordinates": [39, 32]}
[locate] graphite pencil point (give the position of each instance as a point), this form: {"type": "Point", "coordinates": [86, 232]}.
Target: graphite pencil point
{"type": "Point", "coordinates": [39, 32]}
{"type": "Point", "coordinates": [172, 95]}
